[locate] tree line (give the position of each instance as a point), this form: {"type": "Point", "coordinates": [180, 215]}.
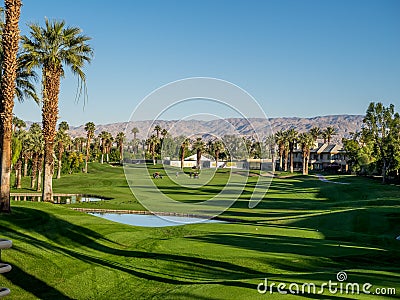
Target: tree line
{"type": "Point", "coordinates": [51, 49]}
{"type": "Point", "coordinates": [230, 147]}
{"type": "Point", "coordinates": [71, 154]}
{"type": "Point", "coordinates": [375, 149]}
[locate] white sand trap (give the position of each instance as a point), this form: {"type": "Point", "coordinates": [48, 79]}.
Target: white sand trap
{"type": "Point", "coordinates": [323, 179]}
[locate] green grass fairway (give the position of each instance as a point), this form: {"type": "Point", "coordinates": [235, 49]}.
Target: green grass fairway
{"type": "Point", "coordinates": [303, 231]}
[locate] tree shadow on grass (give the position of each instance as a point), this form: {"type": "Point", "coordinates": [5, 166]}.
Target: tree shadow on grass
{"type": "Point", "coordinates": [158, 267]}
{"type": "Point", "coordinates": [33, 285]}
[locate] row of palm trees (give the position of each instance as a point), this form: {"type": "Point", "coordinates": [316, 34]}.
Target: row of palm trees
{"type": "Point", "coordinates": [50, 49]}
{"type": "Point", "coordinates": [287, 140]}
{"type": "Point", "coordinates": [28, 149]}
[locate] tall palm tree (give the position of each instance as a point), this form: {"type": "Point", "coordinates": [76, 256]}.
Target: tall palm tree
{"type": "Point", "coordinates": [184, 145]}
{"type": "Point", "coordinates": [35, 145]}
{"type": "Point", "coordinates": [18, 144]}
{"type": "Point", "coordinates": [328, 133]}
{"type": "Point", "coordinates": [164, 133]}
{"type": "Point", "coordinates": [199, 146]}
{"type": "Point", "coordinates": [120, 139]}
{"type": "Point", "coordinates": [135, 131]}
{"type": "Point", "coordinates": [90, 128]}
{"type": "Point", "coordinates": [103, 136]}
{"type": "Point", "coordinates": [280, 140]}
{"type": "Point", "coordinates": [316, 133]}
{"type": "Point", "coordinates": [157, 129]}
{"type": "Point", "coordinates": [8, 72]}
{"type": "Point", "coordinates": [52, 48]}
{"type": "Point", "coordinates": [217, 148]}
{"type": "Point", "coordinates": [152, 144]}
{"type": "Point", "coordinates": [63, 140]}
{"type": "Point", "coordinates": [109, 143]}
{"type": "Point", "coordinates": [306, 141]}
{"type": "Point", "coordinates": [96, 147]}
{"type": "Point", "coordinates": [291, 136]}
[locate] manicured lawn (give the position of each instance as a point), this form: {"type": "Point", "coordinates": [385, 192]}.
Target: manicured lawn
{"type": "Point", "coordinates": [304, 230]}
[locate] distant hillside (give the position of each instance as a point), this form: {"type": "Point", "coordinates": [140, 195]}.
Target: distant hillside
{"type": "Point", "coordinates": [344, 124]}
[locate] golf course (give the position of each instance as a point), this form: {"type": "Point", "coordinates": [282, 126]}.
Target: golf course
{"type": "Point", "coordinates": [304, 230]}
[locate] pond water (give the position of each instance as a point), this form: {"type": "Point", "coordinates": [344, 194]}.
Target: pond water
{"type": "Point", "coordinates": [151, 220]}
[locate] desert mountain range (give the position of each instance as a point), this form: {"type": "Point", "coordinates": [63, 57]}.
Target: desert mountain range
{"type": "Point", "coordinates": [344, 125]}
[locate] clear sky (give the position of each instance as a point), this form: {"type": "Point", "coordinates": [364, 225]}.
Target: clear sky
{"type": "Point", "coordinates": [296, 57]}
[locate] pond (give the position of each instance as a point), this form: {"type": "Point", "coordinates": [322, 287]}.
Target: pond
{"type": "Point", "coordinates": [151, 220]}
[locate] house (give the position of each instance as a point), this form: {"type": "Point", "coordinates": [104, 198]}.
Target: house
{"type": "Point", "coordinates": [323, 157]}
{"type": "Point", "coordinates": [191, 161]}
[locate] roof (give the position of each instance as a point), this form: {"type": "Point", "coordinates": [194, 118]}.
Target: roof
{"type": "Point", "coordinates": [194, 157]}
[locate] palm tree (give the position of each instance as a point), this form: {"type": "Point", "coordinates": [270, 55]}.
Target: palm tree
{"type": "Point", "coordinates": [199, 146]}
{"type": "Point", "coordinates": [316, 133]}
{"type": "Point", "coordinates": [52, 48]}
{"type": "Point", "coordinates": [18, 143]}
{"type": "Point", "coordinates": [17, 123]}
{"type": "Point", "coordinates": [306, 141]}
{"type": "Point", "coordinates": [328, 133]}
{"type": "Point", "coordinates": [217, 148]}
{"type": "Point", "coordinates": [135, 131]}
{"type": "Point", "coordinates": [35, 145]}
{"type": "Point", "coordinates": [62, 139]}
{"type": "Point", "coordinates": [271, 145]}
{"type": "Point", "coordinates": [90, 128]}
{"type": "Point", "coordinates": [280, 140]}
{"type": "Point", "coordinates": [184, 145]}
{"type": "Point", "coordinates": [109, 142]}
{"type": "Point", "coordinates": [164, 133]}
{"type": "Point", "coordinates": [10, 41]}
{"type": "Point", "coordinates": [291, 136]}
{"type": "Point", "coordinates": [157, 129]}
{"type": "Point", "coordinates": [96, 147]}
{"type": "Point", "coordinates": [152, 144]}
{"type": "Point", "coordinates": [103, 136]}
{"type": "Point", "coordinates": [120, 139]}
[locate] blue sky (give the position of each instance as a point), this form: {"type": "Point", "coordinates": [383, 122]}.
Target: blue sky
{"type": "Point", "coordinates": [297, 58]}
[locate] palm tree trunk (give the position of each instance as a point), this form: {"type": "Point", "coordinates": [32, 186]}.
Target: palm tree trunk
{"type": "Point", "coordinates": [5, 170]}
{"type": "Point", "coordinates": [10, 40]}
{"type": "Point", "coordinates": [102, 158]}
{"type": "Point", "coordinates": [87, 153]}
{"type": "Point", "coordinates": [34, 170]}
{"type": "Point", "coordinates": [39, 168]}
{"type": "Point", "coordinates": [121, 148]}
{"type": "Point", "coordinates": [182, 157]}
{"type": "Point", "coordinates": [384, 171]}
{"type": "Point", "coordinates": [25, 165]}
{"type": "Point", "coordinates": [291, 161]}
{"type": "Point", "coordinates": [51, 91]}
{"type": "Point", "coordinates": [273, 162]}
{"type": "Point", "coordinates": [198, 159]}
{"type": "Point", "coordinates": [304, 164]}
{"type": "Point", "coordinates": [216, 159]}
{"type": "Point", "coordinates": [286, 161]}
{"type": "Point", "coordinates": [307, 159]}
{"type": "Point", "coordinates": [18, 174]}
{"type": "Point", "coordinates": [60, 153]}
{"type": "Point", "coordinates": [280, 162]}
